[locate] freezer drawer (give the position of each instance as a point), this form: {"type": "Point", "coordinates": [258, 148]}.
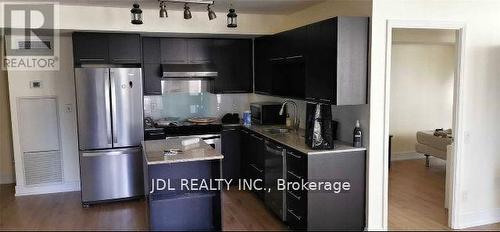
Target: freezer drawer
{"type": "Point", "coordinates": [111, 174]}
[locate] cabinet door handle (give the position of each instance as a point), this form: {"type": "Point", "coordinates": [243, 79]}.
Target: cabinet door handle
{"type": "Point", "coordinates": [124, 59]}
{"type": "Point", "coordinates": [294, 155]}
{"type": "Point", "coordinates": [295, 175]}
{"type": "Point", "coordinates": [156, 133]}
{"type": "Point", "coordinates": [255, 136]}
{"type": "Point", "coordinates": [276, 59]}
{"type": "Point", "coordinates": [295, 215]}
{"type": "Point", "coordinates": [229, 130]}
{"type": "Point", "coordinates": [326, 100]}
{"type": "Point", "coordinates": [310, 98]}
{"type": "Point", "coordinates": [256, 168]}
{"type": "Point", "coordinates": [294, 57]}
{"type": "Point", "coordinates": [91, 59]}
{"type": "Point", "coordinates": [293, 195]}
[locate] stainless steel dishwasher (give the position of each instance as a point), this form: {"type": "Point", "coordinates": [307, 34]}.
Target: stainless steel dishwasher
{"type": "Point", "coordinates": [274, 170]}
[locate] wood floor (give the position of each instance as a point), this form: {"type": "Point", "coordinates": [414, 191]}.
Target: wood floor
{"type": "Point", "coordinates": [63, 211]}
{"type": "Point", "coordinates": [416, 196]}
{"type": "Point", "coordinates": [416, 200]}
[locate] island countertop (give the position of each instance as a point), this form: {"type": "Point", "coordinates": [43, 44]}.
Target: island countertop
{"type": "Point", "coordinates": [154, 151]}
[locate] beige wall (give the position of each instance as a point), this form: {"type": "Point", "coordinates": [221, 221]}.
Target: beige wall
{"type": "Point", "coordinates": [6, 153]}
{"type": "Point", "coordinates": [95, 18]}
{"type": "Point", "coordinates": [328, 9]}
{"type": "Point", "coordinates": [479, 186]}
{"type": "Point", "coordinates": [54, 83]}
{"type": "Point", "coordinates": [422, 78]}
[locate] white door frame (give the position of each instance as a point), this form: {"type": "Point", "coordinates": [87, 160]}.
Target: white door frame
{"type": "Point", "coordinates": [454, 206]}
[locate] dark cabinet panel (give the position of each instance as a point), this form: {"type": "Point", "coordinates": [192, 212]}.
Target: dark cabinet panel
{"type": "Point", "coordinates": [233, 60]}
{"type": "Point", "coordinates": [152, 79]}
{"type": "Point", "coordinates": [321, 61]}
{"type": "Point", "coordinates": [174, 50]}
{"type": "Point", "coordinates": [90, 48]}
{"type": "Point", "coordinates": [230, 140]}
{"type": "Point", "coordinates": [102, 48]}
{"type": "Point", "coordinates": [124, 49]}
{"type": "Point", "coordinates": [263, 70]}
{"type": "Point", "coordinates": [253, 159]}
{"type": "Point", "coordinates": [151, 50]}
{"type": "Point", "coordinates": [199, 51]}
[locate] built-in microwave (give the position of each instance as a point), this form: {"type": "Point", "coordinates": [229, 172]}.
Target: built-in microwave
{"type": "Point", "coordinates": [267, 113]}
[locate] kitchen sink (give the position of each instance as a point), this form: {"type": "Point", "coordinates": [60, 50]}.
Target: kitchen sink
{"type": "Point", "coordinates": [277, 130]}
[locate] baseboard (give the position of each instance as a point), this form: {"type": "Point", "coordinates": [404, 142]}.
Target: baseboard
{"type": "Point", "coordinates": [406, 156]}
{"type": "Point", "coordinates": [44, 189]}
{"type": "Point", "coordinates": [478, 218]}
{"type": "Point", "coordinates": [7, 179]}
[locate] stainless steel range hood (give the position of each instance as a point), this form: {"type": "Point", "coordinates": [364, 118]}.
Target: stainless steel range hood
{"type": "Point", "coordinates": [188, 71]}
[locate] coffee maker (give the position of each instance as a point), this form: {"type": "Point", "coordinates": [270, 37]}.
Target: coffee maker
{"type": "Point", "coordinates": [319, 132]}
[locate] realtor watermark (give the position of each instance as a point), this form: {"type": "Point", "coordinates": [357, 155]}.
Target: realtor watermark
{"type": "Point", "coordinates": [31, 34]}
{"type": "Point", "coordinates": [333, 186]}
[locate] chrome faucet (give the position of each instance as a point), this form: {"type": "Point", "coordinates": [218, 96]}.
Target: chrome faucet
{"type": "Point", "coordinates": [296, 120]}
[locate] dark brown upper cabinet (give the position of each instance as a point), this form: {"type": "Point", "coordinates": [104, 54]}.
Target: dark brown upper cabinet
{"type": "Point", "coordinates": [231, 57]}
{"type": "Point", "coordinates": [337, 61]}
{"type": "Point", "coordinates": [262, 64]}
{"type": "Point", "coordinates": [102, 48]}
{"type": "Point", "coordinates": [233, 61]}
{"type": "Point", "coordinates": [124, 48]}
{"type": "Point", "coordinates": [90, 48]}
{"type": "Point", "coordinates": [174, 51]}
{"type": "Point", "coordinates": [324, 62]}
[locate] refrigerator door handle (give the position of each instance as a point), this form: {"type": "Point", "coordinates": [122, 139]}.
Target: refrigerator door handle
{"type": "Point", "coordinates": [108, 108]}
{"type": "Point", "coordinates": [113, 106]}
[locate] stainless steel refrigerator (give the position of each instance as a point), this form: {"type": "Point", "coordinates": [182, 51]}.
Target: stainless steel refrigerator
{"type": "Point", "coordinates": [110, 131]}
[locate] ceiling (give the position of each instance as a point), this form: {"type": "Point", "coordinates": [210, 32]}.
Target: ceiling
{"type": "Point", "coordinates": [241, 6]}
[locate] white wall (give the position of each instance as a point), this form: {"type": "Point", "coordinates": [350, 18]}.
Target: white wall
{"type": "Point", "coordinates": [60, 84]}
{"type": "Point", "coordinates": [479, 189]}
{"type": "Point", "coordinates": [422, 78]}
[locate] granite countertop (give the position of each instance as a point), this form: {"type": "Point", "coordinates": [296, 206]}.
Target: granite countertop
{"type": "Point", "coordinates": [154, 151]}
{"type": "Point", "coordinates": [297, 141]}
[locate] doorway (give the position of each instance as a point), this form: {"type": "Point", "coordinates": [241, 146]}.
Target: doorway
{"type": "Point", "coordinates": [450, 162]}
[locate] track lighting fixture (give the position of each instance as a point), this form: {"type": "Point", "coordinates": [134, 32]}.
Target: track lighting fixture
{"type": "Point", "coordinates": [211, 13]}
{"type": "Point", "coordinates": [163, 10]}
{"type": "Point", "coordinates": [187, 12]}
{"type": "Point", "coordinates": [136, 14]}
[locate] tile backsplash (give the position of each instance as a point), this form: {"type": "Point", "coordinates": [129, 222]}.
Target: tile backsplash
{"type": "Point", "coordinates": [186, 105]}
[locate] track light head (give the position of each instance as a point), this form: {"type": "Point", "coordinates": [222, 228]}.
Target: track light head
{"type": "Point", "coordinates": [187, 12]}
{"type": "Point", "coordinates": [163, 10]}
{"type": "Point", "coordinates": [211, 13]}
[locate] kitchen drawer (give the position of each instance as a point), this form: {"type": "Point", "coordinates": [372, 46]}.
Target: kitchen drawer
{"type": "Point", "coordinates": [296, 163]}
{"type": "Point", "coordinates": [257, 173]}
{"type": "Point", "coordinates": [296, 214]}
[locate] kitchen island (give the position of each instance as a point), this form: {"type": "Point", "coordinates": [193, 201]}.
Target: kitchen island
{"type": "Point", "coordinates": [181, 189]}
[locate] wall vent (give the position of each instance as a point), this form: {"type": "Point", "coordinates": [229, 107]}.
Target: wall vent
{"type": "Point", "coordinates": [42, 167]}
